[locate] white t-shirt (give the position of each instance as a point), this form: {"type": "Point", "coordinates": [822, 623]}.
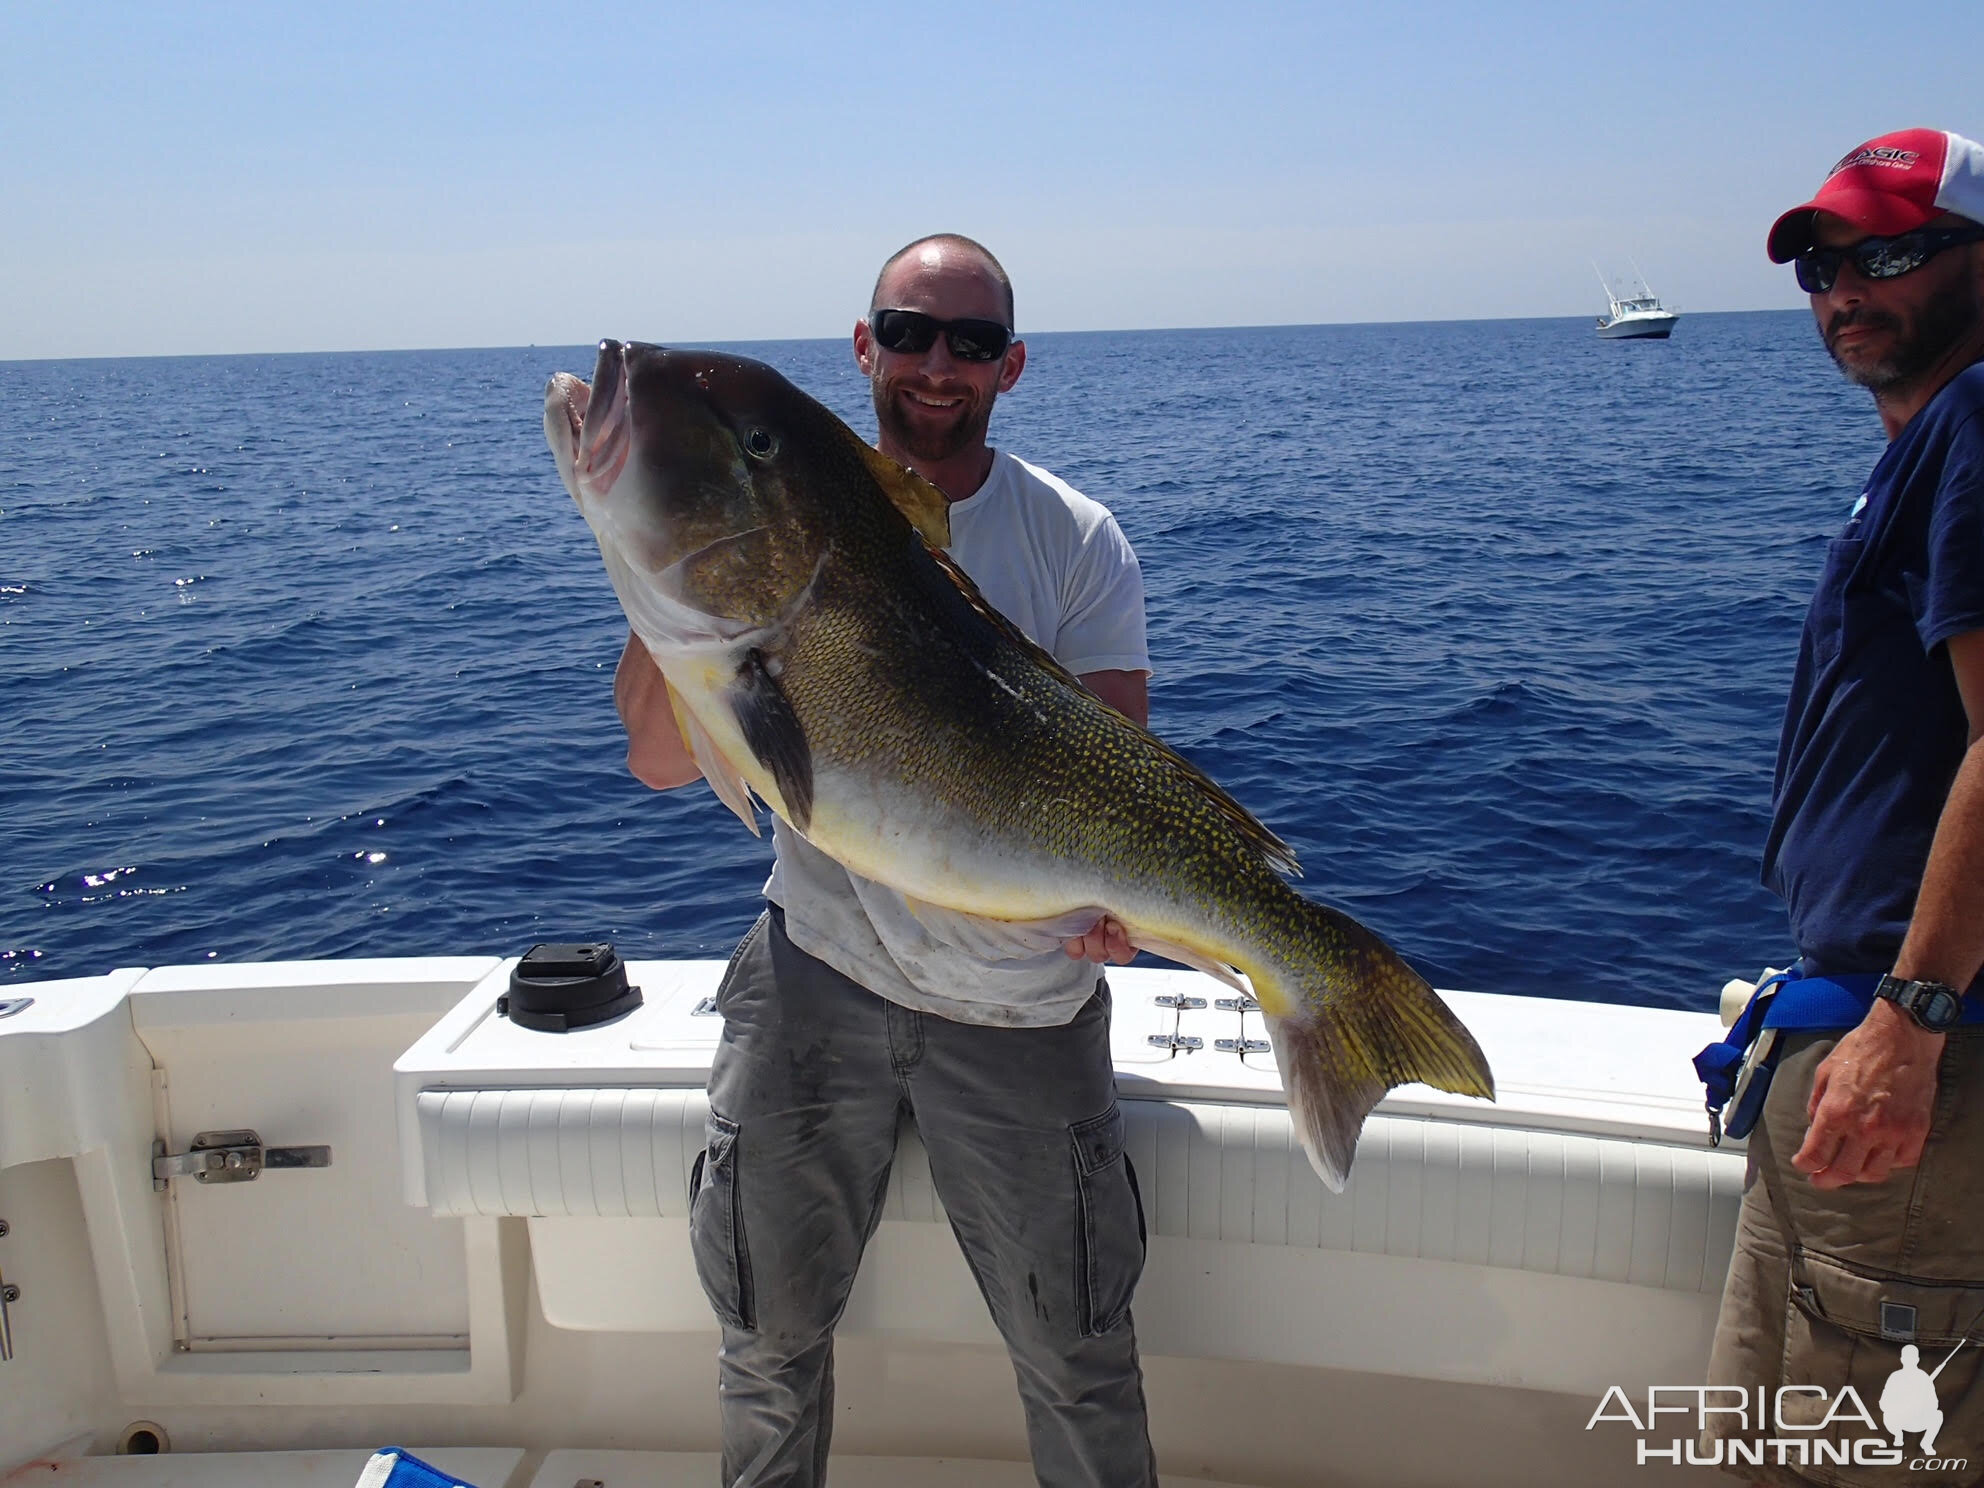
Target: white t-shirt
{"type": "Point", "coordinates": [1055, 564]}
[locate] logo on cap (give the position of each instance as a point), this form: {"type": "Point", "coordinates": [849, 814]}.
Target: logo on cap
{"type": "Point", "coordinates": [1884, 155]}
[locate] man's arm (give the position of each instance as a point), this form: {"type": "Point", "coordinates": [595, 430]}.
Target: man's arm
{"type": "Point", "coordinates": [1873, 1096]}
{"type": "Point", "coordinates": [1127, 692]}
{"type": "Point", "coordinates": [656, 755]}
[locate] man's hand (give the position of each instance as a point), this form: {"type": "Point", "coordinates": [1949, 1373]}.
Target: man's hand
{"type": "Point", "coordinates": [1872, 1099]}
{"type": "Point", "coordinates": [1106, 940]}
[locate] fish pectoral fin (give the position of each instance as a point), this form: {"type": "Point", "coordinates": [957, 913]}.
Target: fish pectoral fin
{"type": "Point", "coordinates": [724, 778]}
{"type": "Point", "coordinates": [1001, 940]}
{"type": "Point", "coordinates": [773, 733]}
{"type": "Point", "coordinates": [928, 509]}
{"type": "Point", "coordinates": [1186, 956]}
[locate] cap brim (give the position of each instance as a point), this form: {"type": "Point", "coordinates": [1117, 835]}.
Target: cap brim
{"type": "Point", "coordinates": [1877, 213]}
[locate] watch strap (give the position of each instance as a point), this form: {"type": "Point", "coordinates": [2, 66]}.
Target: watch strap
{"type": "Point", "coordinates": [1935, 1006]}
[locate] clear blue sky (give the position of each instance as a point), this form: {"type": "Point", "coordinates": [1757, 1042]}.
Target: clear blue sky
{"type": "Point", "coordinates": [194, 178]}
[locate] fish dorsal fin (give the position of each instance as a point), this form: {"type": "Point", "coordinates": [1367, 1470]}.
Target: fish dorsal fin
{"type": "Point", "coordinates": [1278, 853]}
{"type": "Point", "coordinates": [928, 509]}
{"type": "Point", "coordinates": [969, 592]}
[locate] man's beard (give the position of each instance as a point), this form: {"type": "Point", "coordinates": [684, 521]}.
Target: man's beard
{"type": "Point", "coordinates": [1946, 319]}
{"type": "Point", "coordinates": [970, 421]}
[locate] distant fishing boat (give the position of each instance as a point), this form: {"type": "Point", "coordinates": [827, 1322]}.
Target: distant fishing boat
{"type": "Point", "coordinates": [1636, 316]}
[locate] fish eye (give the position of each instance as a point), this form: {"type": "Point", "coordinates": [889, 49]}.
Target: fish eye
{"type": "Point", "coordinates": [759, 443]}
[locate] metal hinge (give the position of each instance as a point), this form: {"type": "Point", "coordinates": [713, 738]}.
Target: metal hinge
{"type": "Point", "coordinates": [1179, 1000]}
{"type": "Point", "coordinates": [1242, 1046]}
{"type": "Point", "coordinates": [230, 1157]}
{"type": "Point", "coordinates": [1237, 1004]}
{"type": "Point", "coordinates": [1176, 1041]}
{"type": "Point", "coordinates": [9, 1294]}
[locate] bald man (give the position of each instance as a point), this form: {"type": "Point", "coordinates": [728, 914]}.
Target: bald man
{"type": "Point", "coordinates": [844, 1016]}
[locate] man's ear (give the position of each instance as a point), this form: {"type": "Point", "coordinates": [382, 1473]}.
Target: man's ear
{"type": "Point", "coordinates": [864, 348]}
{"type": "Point", "coordinates": [1015, 364]}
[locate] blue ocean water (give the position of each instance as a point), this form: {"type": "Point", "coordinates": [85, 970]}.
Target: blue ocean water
{"type": "Point", "coordinates": [311, 655]}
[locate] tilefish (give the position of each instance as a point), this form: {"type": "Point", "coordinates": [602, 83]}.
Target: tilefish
{"type": "Point", "coordinates": [825, 656]}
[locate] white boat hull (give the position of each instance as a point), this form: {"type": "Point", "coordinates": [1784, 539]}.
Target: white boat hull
{"type": "Point", "coordinates": [1638, 327]}
{"type": "Point", "coordinates": [496, 1256]}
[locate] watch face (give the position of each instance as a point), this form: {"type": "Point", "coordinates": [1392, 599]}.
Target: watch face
{"type": "Point", "coordinates": [1939, 1010]}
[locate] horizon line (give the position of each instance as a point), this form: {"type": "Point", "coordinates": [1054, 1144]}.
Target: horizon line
{"type": "Point", "coordinates": [7, 361]}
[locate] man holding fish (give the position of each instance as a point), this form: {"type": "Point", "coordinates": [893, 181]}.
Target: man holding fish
{"type": "Point", "coordinates": [843, 1013]}
{"type": "Point", "coordinates": [970, 813]}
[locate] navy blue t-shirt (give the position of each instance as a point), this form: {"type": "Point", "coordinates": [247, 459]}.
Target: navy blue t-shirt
{"type": "Point", "coordinates": [1875, 729]}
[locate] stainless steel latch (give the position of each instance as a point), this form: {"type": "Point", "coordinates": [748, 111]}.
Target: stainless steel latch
{"type": "Point", "coordinates": [9, 1294]}
{"type": "Point", "coordinates": [230, 1157]}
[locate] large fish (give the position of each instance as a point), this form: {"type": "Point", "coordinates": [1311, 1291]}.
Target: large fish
{"type": "Point", "coordinates": [823, 654]}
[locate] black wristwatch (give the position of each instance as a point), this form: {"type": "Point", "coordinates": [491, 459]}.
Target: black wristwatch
{"type": "Point", "coordinates": [1932, 1004]}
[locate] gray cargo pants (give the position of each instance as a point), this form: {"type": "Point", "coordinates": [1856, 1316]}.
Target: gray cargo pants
{"type": "Point", "coordinates": [810, 1080]}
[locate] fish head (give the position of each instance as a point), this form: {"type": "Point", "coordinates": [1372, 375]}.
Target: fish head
{"type": "Point", "coordinates": [701, 475]}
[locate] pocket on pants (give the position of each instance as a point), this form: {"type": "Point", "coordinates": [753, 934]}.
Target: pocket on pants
{"type": "Point", "coordinates": [760, 927]}
{"type": "Point", "coordinates": [1849, 1327]}
{"type": "Point", "coordinates": [716, 1226]}
{"type": "Point", "coordinates": [1110, 1241]}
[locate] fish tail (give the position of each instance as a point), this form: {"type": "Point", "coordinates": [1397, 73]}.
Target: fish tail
{"type": "Point", "coordinates": [1350, 1020]}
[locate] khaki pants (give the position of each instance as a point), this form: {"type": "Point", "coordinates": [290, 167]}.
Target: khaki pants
{"type": "Point", "coordinates": [1828, 1287]}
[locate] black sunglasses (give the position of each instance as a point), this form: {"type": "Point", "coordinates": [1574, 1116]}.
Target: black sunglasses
{"type": "Point", "coordinates": [914, 332]}
{"type": "Point", "coordinates": [1879, 258]}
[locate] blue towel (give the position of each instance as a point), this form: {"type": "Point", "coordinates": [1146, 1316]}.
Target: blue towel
{"type": "Point", "coordinates": [395, 1467]}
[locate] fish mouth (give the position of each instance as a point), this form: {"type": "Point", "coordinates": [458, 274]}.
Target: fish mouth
{"type": "Point", "coordinates": [606, 427]}
{"type": "Point", "coordinates": [565, 399]}
{"type": "Point", "coordinates": [590, 428]}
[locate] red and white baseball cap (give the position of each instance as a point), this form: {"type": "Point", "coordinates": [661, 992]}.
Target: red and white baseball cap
{"type": "Point", "coordinates": [1891, 185]}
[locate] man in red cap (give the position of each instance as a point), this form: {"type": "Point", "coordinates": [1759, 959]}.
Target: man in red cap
{"type": "Point", "coordinates": [1863, 1236]}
